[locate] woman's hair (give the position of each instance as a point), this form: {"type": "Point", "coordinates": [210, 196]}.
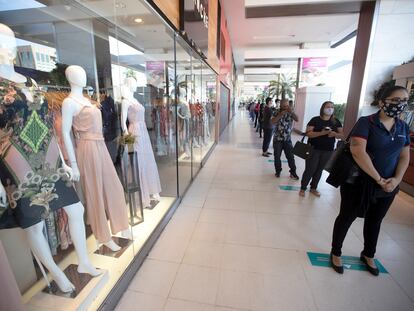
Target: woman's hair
{"type": "Point", "coordinates": [269, 99]}
{"type": "Point", "coordinates": [385, 91]}
{"type": "Point", "coordinates": [321, 113]}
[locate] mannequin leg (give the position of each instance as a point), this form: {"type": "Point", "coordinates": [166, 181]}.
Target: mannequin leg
{"type": "Point", "coordinates": [40, 248]}
{"type": "Point", "coordinates": [77, 232]}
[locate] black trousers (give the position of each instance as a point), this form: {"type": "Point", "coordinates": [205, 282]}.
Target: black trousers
{"type": "Point", "coordinates": [256, 117]}
{"type": "Point", "coordinates": [350, 195]}
{"type": "Point", "coordinates": [314, 168]}
{"type": "Point", "coordinates": [267, 137]}
{"type": "Point", "coordinates": [260, 128]}
{"type": "Point", "coordinates": [287, 147]}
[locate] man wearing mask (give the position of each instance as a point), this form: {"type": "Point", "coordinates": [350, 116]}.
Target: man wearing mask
{"type": "Point", "coordinates": [267, 127]}
{"type": "Point", "coordinates": [283, 122]}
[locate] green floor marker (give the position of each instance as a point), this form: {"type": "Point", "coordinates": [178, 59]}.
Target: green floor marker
{"type": "Point", "coordinates": [289, 188]}
{"type": "Point", "coordinates": [272, 161]}
{"type": "Point", "coordinates": [349, 262]}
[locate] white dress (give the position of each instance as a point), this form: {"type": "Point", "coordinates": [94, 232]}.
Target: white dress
{"type": "Point", "coordinates": [148, 171]}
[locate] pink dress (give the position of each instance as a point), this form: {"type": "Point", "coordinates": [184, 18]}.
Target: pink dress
{"type": "Point", "coordinates": [100, 183]}
{"type": "Point", "coordinates": [148, 171]}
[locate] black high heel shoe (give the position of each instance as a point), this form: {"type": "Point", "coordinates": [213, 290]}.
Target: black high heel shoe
{"type": "Point", "coordinates": [338, 269]}
{"type": "Point", "coordinates": [373, 271]}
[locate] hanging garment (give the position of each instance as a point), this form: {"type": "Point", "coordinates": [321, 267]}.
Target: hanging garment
{"type": "Point", "coordinates": [148, 171]}
{"type": "Point", "coordinates": [30, 164]}
{"type": "Point", "coordinates": [101, 186]}
{"type": "Point", "coordinates": [109, 118]}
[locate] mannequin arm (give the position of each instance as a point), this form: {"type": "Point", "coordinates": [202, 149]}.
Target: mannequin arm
{"type": "Point", "coordinates": [124, 115]}
{"type": "Point", "coordinates": [3, 196]}
{"type": "Point", "coordinates": [68, 111]}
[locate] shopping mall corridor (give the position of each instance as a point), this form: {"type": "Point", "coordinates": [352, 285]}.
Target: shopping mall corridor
{"type": "Point", "coordinates": [239, 242]}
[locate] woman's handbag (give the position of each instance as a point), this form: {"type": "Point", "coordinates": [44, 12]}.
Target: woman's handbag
{"type": "Point", "coordinates": [302, 150]}
{"type": "Point", "coordinates": [341, 166]}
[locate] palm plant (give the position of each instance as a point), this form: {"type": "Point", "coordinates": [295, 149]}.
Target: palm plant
{"type": "Point", "coordinates": [282, 87]}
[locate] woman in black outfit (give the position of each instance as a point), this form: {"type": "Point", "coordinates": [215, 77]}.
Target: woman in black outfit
{"type": "Point", "coordinates": [322, 131]}
{"type": "Point", "coordinates": [380, 146]}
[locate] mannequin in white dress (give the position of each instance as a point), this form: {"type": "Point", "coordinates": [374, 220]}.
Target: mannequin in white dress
{"type": "Point", "coordinates": [134, 112]}
{"type": "Point", "coordinates": [35, 236]}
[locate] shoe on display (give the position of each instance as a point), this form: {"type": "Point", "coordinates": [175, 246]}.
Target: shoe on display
{"type": "Point", "coordinates": [372, 270]}
{"type": "Point", "coordinates": [294, 176]}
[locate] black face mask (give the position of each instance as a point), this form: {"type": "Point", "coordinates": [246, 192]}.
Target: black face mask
{"type": "Point", "coordinates": [393, 110]}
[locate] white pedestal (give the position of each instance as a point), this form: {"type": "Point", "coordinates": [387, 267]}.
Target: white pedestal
{"type": "Point", "coordinates": [308, 103]}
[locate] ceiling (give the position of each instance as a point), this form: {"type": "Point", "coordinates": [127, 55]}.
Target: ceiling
{"type": "Point", "coordinates": [280, 41]}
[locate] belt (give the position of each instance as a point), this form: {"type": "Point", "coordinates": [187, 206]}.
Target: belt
{"type": "Point", "coordinates": [88, 136]}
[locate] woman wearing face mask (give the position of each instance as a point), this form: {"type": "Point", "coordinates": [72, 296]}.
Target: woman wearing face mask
{"type": "Point", "coordinates": [322, 131]}
{"type": "Point", "coordinates": [380, 146]}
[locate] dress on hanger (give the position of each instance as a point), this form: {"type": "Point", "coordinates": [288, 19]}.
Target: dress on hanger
{"type": "Point", "coordinates": [30, 164]}
{"type": "Point", "coordinates": [100, 184]}
{"type": "Point", "coordinates": [148, 171]}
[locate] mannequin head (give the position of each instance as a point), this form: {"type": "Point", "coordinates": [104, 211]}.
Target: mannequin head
{"type": "Point", "coordinates": [76, 76]}
{"type": "Point", "coordinates": [131, 83]}
{"type": "Point", "coordinates": [8, 54]}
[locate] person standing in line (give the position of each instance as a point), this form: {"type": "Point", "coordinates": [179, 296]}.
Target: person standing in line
{"type": "Point", "coordinates": [260, 127]}
{"type": "Point", "coordinates": [282, 141]}
{"type": "Point", "coordinates": [256, 113]}
{"type": "Point", "coordinates": [251, 110]}
{"type": "Point", "coordinates": [380, 145]}
{"type": "Point", "coordinates": [267, 127]}
{"type": "Point", "coordinates": [322, 131]}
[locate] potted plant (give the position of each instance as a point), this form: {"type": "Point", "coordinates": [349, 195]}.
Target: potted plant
{"type": "Point", "coordinates": [127, 140]}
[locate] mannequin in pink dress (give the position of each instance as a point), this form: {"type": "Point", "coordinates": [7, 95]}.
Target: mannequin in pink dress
{"type": "Point", "coordinates": [92, 164]}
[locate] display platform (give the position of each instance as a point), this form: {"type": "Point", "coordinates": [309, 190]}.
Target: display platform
{"type": "Point", "coordinates": [87, 289]}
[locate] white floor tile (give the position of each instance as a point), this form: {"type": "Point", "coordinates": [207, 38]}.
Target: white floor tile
{"type": "Point", "coordinates": [182, 305]}
{"type": "Point", "coordinates": [155, 277]}
{"type": "Point", "coordinates": [135, 301]}
{"type": "Point", "coordinates": [198, 284]}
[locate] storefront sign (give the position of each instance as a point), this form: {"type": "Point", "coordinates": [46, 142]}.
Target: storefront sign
{"type": "Point", "coordinates": [155, 72]}
{"type": "Point", "coordinates": [194, 21]}
{"type": "Point", "coordinates": [202, 8]}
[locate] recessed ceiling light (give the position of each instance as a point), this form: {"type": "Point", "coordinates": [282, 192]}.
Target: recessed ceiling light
{"type": "Point", "coordinates": [138, 20]}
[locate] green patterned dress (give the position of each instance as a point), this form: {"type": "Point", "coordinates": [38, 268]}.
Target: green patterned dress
{"type": "Point", "coordinates": [30, 164]}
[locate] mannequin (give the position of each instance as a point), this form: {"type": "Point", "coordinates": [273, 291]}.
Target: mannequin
{"type": "Point", "coordinates": [134, 112]}
{"type": "Point", "coordinates": [30, 218]}
{"type": "Point", "coordinates": [184, 113]}
{"type": "Point", "coordinates": [101, 192]}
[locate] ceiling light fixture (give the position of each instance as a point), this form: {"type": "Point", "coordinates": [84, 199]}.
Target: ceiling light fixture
{"type": "Point", "coordinates": [138, 20]}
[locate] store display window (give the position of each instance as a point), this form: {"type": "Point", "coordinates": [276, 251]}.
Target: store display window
{"type": "Point", "coordinates": [106, 115]}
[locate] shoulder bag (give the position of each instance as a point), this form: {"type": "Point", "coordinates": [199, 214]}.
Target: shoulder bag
{"type": "Point", "coordinates": [303, 150]}
{"type": "Point", "coordinates": [341, 166]}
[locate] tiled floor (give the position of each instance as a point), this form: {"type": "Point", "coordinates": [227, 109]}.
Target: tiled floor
{"type": "Point", "coordinates": [237, 242]}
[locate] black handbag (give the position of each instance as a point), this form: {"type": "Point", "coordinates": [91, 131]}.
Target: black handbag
{"type": "Point", "coordinates": [302, 150]}
{"type": "Point", "coordinates": [341, 166]}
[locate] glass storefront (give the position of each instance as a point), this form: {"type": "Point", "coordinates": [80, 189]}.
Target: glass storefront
{"type": "Point", "coordinates": [109, 88]}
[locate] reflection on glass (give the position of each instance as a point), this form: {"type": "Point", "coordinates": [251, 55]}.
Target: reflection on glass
{"type": "Point", "coordinates": [184, 90]}
{"type": "Point", "coordinates": [130, 78]}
